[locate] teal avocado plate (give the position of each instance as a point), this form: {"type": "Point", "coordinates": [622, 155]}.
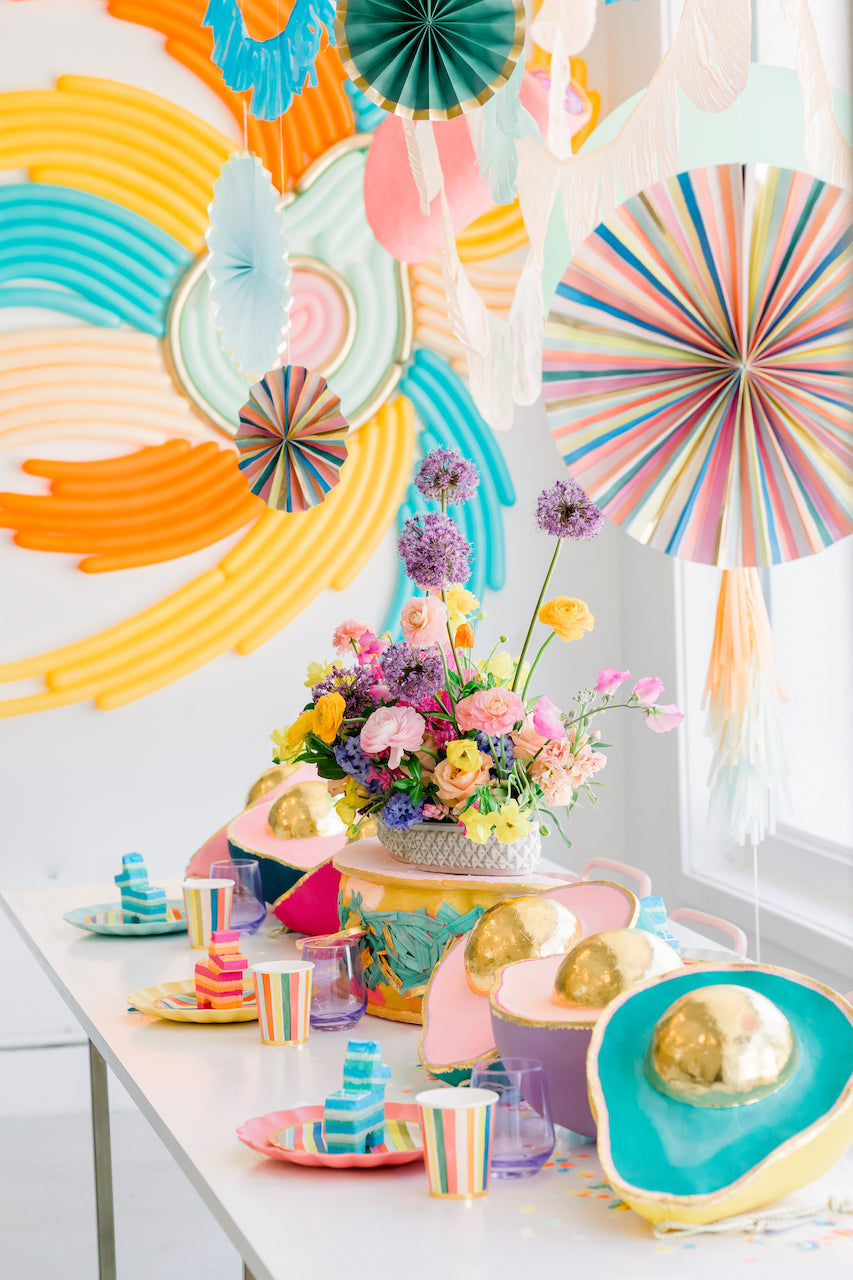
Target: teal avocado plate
{"type": "Point", "coordinates": [657, 1145]}
{"type": "Point", "coordinates": [106, 917]}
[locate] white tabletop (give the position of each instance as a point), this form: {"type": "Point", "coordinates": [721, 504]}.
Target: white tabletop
{"type": "Point", "coordinates": [196, 1084]}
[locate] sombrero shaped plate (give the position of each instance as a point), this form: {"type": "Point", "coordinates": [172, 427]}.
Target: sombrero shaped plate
{"type": "Point", "coordinates": [457, 1030]}
{"type": "Point", "coordinates": [176, 1002]}
{"type": "Point", "coordinates": [296, 1136]}
{"type": "Point", "coordinates": [672, 1161]}
{"type": "Point", "coordinates": [282, 862]}
{"type": "Point", "coordinates": [108, 918]}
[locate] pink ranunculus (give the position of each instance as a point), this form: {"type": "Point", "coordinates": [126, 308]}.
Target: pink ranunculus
{"type": "Point", "coordinates": [423, 620]}
{"type": "Point", "coordinates": [380, 692]}
{"type": "Point", "coordinates": [609, 680]}
{"type": "Point", "coordinates": [392, 729]}
{"type": "Point", "coordinates": [662, 719]}
{"type": "Point", "coordinates": [494, 711]}
{"type": "Point", "coordinates": [547, 719]}
{"type": "Point", "coordinates": [526, 741]}
{"type": "Point", "coordinates": [345, 634]}
{"type": "Point", "coordinates": [648, 690]}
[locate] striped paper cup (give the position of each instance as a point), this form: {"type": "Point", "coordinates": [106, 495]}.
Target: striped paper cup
{"type": "Point", "coordinates": [208, 904]}
{"type": "Point", "coordinates": [283, 988]}
{"type": "Point", "coordinates": [457, 1126]}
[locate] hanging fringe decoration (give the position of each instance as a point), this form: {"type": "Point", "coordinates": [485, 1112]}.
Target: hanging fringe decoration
{"type": "Point", "coordinates": [825, 144]}
{"type": "Point", "coordinates": [742, 697]}
{"type": "Point", "coordinates": [275, 69]}
{"type": "Point", "coordinates": [424, 163]}
{"type": "Point", "coordinates": [495, 131]}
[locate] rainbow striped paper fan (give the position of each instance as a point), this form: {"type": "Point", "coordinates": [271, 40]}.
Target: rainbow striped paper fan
{"type": "Point", "coordinates": [697, 365]}
{"type": "Point", "coordinates": [292, 439]}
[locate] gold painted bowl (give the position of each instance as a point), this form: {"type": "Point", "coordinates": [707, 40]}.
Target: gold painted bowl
{"type": "Point", "coordinates": [719, 1088]}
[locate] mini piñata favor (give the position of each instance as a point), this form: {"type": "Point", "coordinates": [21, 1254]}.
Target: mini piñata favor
{"type": "Point", "coordinates": [219, 979]}
{"type": "Point", "coordinates": [139, 900]}
{"type": "Point", "coordinates": [354, 1117]}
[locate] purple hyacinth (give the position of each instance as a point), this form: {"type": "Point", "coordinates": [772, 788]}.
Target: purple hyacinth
{"type": "Point", "coordinates": [565, 511]}
{"type": "Point", "coordinates": [352, 683]}
{"type": "Point", "coordinates": [353, 760]}
{"type": "Point", "coordinates": [412, 673]}
{"type": "Point", "coordinates": [492, 747]}
{"type": "Point", "coordinates": [434, 551]}
{"type": "Point", "coordinates": [400, 814]}
{"type": "Point", "coordinates": [444, 473]}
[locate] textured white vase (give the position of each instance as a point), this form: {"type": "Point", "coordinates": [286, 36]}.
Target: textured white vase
{"type": "Point", "coordinates": [436, 846]}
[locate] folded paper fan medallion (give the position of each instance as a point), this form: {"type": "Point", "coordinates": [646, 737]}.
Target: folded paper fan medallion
{"type": "Point", "coordinates": [248, 266]}
{"type": "Point", "coordinates": [430, 59]}
{"type": "Point", "coordinates": [697, 365]}
{"type": "Point", "coordinates": [292, 439]}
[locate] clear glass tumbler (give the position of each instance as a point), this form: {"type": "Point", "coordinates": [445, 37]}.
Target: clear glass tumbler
{"type": "Point", "coordinates": [248, 909]}
{"type": "Point", "coordinates": [523, 1136]}
{"type": "Point", "coordinates": [339, 992]}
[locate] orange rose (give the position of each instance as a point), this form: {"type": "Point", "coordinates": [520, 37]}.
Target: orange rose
{"type": "Point", "coordinates": [456, 785]}
{"type": "Point", "coordinates": [569, 617]}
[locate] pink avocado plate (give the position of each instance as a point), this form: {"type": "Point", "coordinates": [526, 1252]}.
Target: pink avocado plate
{"type": "Point", "coordinates": [457, 1030]}
{"type": "Point", "coordinates": [296, 1136]}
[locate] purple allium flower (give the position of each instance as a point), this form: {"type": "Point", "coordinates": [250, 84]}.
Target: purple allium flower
{"type": "Point", "coordinates": [352, 759]}
{"type": "Point", "coordinates": [434, 551]}
{"type": "Point", "coordinates": [492, 747]}
{"type": "Point", "coordinates": [444, 473]}
{"type": "Point", "coordinates": [411, 672]}
{"type": "Point", "coordinates": [565, 511]}
{"type": "Point", "coordinates": [400, 814]}
{"type": "Point", "coordinates": [353, 684]}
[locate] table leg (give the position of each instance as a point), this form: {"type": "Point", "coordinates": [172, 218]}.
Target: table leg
{"type": "Point", "coordinates": [103, 1166]}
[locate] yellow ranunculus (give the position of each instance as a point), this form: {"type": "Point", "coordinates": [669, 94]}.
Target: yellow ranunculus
{"type": "Point", "coordinates": [478, 825]}
{"type": "Point", "coordinates": [291, 738]}
{"type": "Point", "coordinates": [510, 823]}
{"type": "Point", "coordinates": [461, 603]}
{"type": "Point", "coordinates": [500, 665]}
{"type": "Point", "coordinates": [569, 617]}
{"type": "Point", "coordinates": [463, 754]}
{"type": "Point", "coordinates": [327, 716]}
{"type": "Point", "coordinates": [316, 672]}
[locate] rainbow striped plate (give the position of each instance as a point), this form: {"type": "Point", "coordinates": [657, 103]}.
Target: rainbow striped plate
{"type": "Point", "coordinates": [297, 1137]}
{"type": "Point", "coordinates": [176, 1002]}
{"type": "Point", "coordinates": [107, 917]}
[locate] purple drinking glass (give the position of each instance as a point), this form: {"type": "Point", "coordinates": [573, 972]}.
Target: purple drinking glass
{"type": "Point", "coordinates": [248, 909]}
{"type": "Point", "coordinates": [523, 1136]}
{"type": "Point", "coordinates": [339, 992]}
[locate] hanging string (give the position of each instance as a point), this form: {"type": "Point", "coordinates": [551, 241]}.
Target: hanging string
{"type": "Point", "coordinates": [281, 171]}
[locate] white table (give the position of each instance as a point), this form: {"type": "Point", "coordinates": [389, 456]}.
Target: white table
{"type": "Point", "coordinates": [196, 1084]}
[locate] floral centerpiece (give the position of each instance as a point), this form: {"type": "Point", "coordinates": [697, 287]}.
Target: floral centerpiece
{"type": "Point", "coordinates": [425, 736]}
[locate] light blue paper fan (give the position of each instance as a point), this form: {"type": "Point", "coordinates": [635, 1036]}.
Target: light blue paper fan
{"type": "Point", "coordinates": [248, 265]}
{"type": "Point", "coordinates": [273, 69]}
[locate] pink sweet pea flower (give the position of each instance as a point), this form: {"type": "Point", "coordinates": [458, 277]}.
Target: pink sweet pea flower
{"type": "Point", "coordinates": [392, 729]}
{"type": "Point", "coordinates": [494, 711]}
{"type": "Point", "coordinates": [424, 620]}
{"type": "Point", "coordinates": [662, 719]}
{"type": "Point", "coordinates": [346, 633]}
{"type": "Point", "coordinates": [370, 647]}
{"type": "Point", "coordinates": [609, 680]}
{"type": "Point", "coordinates": [647, 690]}
{"type": "Point", "coordinates": [547, 720]}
